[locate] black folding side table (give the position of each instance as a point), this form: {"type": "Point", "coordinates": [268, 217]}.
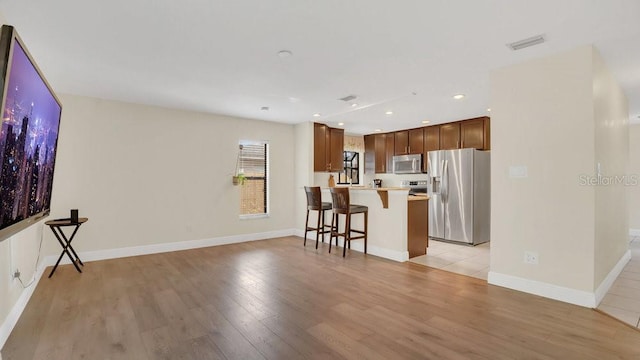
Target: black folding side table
{"type": "Point", "coordinates": [56, 226]}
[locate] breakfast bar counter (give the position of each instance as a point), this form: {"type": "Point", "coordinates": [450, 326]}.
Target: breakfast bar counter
{"type": "Point", "coordinates": [388, 219]}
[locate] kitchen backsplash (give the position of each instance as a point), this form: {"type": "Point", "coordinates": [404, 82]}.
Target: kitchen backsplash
{"type": "Point", "coordinates": [393, 180]}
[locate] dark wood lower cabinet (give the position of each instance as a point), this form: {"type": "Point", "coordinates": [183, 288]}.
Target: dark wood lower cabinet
{"type": "Point", "coordinates": [418, 227]}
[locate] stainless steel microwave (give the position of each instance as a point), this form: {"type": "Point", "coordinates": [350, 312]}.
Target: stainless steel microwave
{"type": "Point", "coordinates": [407, 164]}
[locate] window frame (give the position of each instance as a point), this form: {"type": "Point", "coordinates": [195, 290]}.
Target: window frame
{"type": "Point", "coordinates": [267, 180]}
{"type": "Point", "coordinates": [343, 172]}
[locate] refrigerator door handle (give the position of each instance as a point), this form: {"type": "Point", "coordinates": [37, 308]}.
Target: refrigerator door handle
{"type": "Point", "coordinates": [444, 181]}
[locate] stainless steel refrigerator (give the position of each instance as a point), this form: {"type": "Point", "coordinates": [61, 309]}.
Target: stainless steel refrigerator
{"type": "Point", "coordinates": [459, 190]}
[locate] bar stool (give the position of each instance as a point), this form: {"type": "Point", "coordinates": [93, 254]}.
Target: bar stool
{"type": "Point", "coordinates": [314, 202]}
{"type": "Point", "coordinates": [342, 205]}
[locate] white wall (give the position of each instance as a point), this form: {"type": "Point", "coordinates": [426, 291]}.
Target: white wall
{"type": "Point", "coordinates": [303, 171]}
{"type": "Point", "coordinates": [633, 192]}
{"type": "Point", "coordinates": [17, 252]}
{"type": "Point", "coordinates": [545, 115]}
{"type": "Point", "coordinates": [145, 175]}
{"type": "Point", "coordinates": [611, 115]}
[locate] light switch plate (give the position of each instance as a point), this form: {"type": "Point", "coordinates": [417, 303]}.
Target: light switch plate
{"type": "Point", "coordinates": [518, 171]}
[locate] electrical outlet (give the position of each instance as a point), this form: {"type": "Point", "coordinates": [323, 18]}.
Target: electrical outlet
{"type": "Point", "coordinates": [16, 274]}
{"type": "Point", "coordinates": [530, 257]}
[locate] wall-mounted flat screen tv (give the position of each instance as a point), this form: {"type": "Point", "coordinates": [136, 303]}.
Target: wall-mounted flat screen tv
{"type": "Point", "coordinates": [28, 137]}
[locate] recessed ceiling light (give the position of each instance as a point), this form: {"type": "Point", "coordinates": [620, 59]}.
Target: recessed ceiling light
{"type": "Point", "coordinates": [389, 113]}
{"type": "Point", "coordinates": [264, 108]}
{"type": "Point", "coordinates": [340, 124]}
{"type": "Point", "coordinates": [284, 54]}
{"type": "Point", "coordinates": [378, 130]}
{"type": "Point", "coordinates": [316, 115]}
{"type": "Point", "coordinates": [458, 96]}
{"type": "Point", "coordinates": [489, 109]}
{"type": "Point", "coordinates": [425, 121]}
{"type": "Point", "coordinates": [354, 105]}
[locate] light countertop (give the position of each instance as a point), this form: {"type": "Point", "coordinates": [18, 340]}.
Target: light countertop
{"type": "Point", "coordinates": [372, 188]}
{"type": "Point", "coordinates": [418, 197]}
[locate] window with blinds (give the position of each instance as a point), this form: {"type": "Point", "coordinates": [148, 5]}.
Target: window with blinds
{"type": "Point", "coordinates": [254, 164]}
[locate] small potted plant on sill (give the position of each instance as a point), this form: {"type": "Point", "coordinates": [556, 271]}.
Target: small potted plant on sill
{"type": "Point", "coordinates": [239, 179]}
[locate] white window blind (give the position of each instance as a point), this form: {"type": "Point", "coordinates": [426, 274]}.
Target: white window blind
{"type": "Point", "coordinates": [253, 163]}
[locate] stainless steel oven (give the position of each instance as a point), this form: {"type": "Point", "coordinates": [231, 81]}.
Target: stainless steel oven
{"type": "Point", "coordinates": [416, 187]}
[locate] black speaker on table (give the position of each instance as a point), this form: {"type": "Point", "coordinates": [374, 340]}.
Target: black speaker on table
{"type": "Point", "coordinates": [74, 215]}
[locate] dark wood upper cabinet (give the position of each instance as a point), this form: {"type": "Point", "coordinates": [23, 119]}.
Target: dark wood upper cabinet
{"type": "Point", "coordinates": [389, 152]}
{"type": "Point", "coordinates": [416, 145]}
{"type": "Point", "coordinates": [408, 142]}
{"type": "Point", "coordinates": [319, 147]}
{"type": "Point", "coordinates": [401, 145]}
{"type": "Point", "coordinates": [431, 138]}
{"type": "Point", "coordinates": [336, 153]}
{"type": "Point", "coordinates": [472, 133]}
{"type": "Point", "coordinates": [450, 136]}
{"type": "Point", "coordinates": [487, 133]}
{"type": "Point", "coordinates": [328, 148]}
{"type": "Point", "coordinates": [378, 153]}
{"type": "Point", "coordinates": [381, 152]}
{"type": "Point", "coordinates": [369, 154]}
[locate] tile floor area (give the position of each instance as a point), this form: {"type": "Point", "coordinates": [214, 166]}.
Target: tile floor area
{"type": "Point", "coordinates": [461, 259]}
{"type": "Point", "coordinates": [623, 299]}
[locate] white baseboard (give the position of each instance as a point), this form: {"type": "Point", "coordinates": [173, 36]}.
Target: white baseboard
{"type": "Point", "coordinates": [168, 247]}
{"type": "Point", "coordinates": [400, 256]}
{"type": "Point", "coordinates": [561, 293]}
{"type": "Point", "coordinates": [634, 232]}
{"type": "Point", "coordinates": [605, 285]}
{"type": "Point", "coordinates": [572, 296]}
{"type": "Point", "coordinates": [12, 318]}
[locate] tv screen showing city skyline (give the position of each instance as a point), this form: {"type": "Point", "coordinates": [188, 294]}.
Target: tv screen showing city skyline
{"type": "Point", "coordinates": [28, 140]}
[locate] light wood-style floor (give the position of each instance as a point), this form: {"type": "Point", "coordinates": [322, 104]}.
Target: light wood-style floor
{"type": "Point", "coordinates": [275, 299]}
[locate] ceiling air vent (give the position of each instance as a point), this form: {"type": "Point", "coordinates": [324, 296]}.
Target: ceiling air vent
{"type": "Point", "coordinates": [534, 40]}
{"type": "Point", "coordinates": [348, 98]}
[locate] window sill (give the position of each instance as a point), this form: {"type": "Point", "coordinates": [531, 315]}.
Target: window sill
{"type": "Point", "coordinates": [253, 216]}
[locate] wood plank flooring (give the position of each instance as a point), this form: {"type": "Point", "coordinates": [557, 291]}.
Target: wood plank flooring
{"type": "Point", "coordinates": [275, 299]}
